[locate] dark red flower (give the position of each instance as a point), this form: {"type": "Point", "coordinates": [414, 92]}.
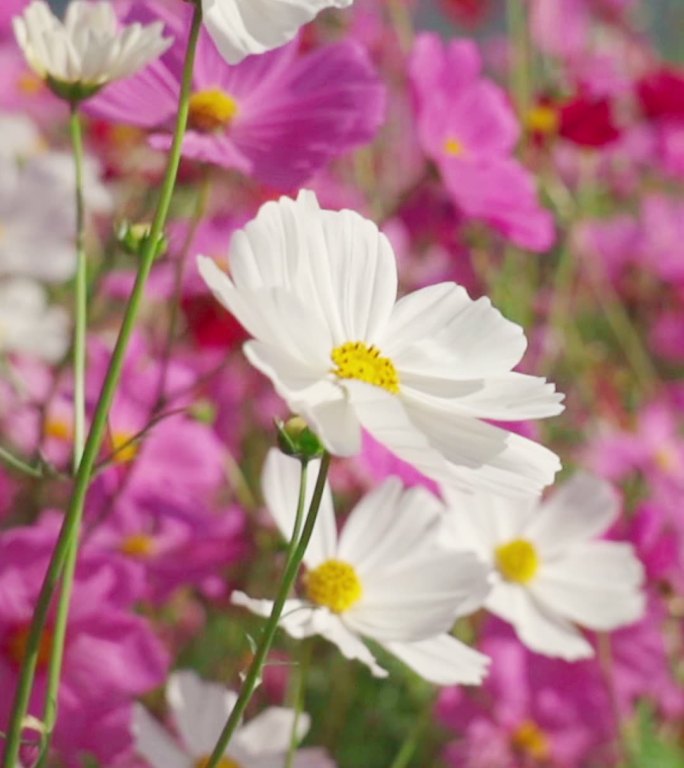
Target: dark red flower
{"type": "Point", "coordinates": [661, 94]}
{"type": "Point", "coordinates": [588, 121]}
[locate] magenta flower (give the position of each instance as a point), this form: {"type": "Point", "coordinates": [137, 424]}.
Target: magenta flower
{"type": "Point", "coordinates": [468, 128]}
{"type": "Point", "coordinates": [530, 711]}
{"type": "Point", "coordinates": [277, 117]}
{"type": "Point", "coordinates": [111, 655]}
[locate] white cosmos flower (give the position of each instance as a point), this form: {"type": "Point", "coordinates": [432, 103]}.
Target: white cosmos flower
{"type": "Point", "coordinates": [243, 27]}
{"type": "Point", "coordinates": [89, 48]}
{"type": "Point", "coordinates": [549, 572]}
{"type": "Point", "coordinates": [28, 324]}
{"type": "Point", "coordinates": [385, 577]}
{"type": "Point", "coordinates": [200, 711]}
{"type": "Point", "coordinates": [318, 291]}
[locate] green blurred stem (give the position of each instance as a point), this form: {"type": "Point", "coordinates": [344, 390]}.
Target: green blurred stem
{"type": "Point", "coordinates": [298, 702]}
{"type": "Point", "coordinates": [16, 463]}
{"type": "Point", "coordinates": [520, 70]}
{"type": "Point", "coordinates": [69, 532]}
{"type": "Point", "coordinates": [80, 328]}
{"type": "Point", "coordinates": [295, 556]}
{"type": "Point", "coordinates": [410, 745]}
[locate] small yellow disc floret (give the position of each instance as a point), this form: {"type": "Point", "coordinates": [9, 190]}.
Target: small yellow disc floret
{"type": "Point", "coordinates": [517, 561]}
{"type": "Point", "coordinates": [530, 740]}
{"type": "Point", "coordinates": [211, 110]}
{"type": "Point", "coordinates": [335, 585]}
{"type": "Point", "coordinates": [224, 762]}
{"type": "Point", "coordinates": [453, 147]}
{"type": "Point", "coordinates": [358, 360]}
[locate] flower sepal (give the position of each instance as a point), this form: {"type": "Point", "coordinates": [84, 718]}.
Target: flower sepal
{"type": "Point", "coordinates": [297, 439]}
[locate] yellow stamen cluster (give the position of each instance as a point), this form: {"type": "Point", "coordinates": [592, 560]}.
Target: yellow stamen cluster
{"type": "Point", "coordinates": [211, 110]}
{"type": "Point", "coordinates": [453, 147]}
{"type": "Point", "coordinates": [18, 640]}
{"type": "Point", "coordinates": [358, 360]}
{"type": "Point", "coordinates": [59, 429]}
{"type": "Point", "coordinates": [335, 585]}
{"type": "Point", "coordinates": [124, 448]}
{"type": "Point", "coordinates": [542, 119]}
{"type": "Point", "coordinates": [530, 740]}
{"type": "Point", "coordinates": [517, 561]}
{"type": "Point", "coordinates": [138, 545]}
{"type": "Point", "coordinates": [224, 762]}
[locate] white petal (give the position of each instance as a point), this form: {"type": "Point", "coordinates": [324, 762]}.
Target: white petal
{"type": "Point", "coordinates": [298, 618]}
{"type": "Point", "coordinates": [419, 597]}
{"type": "Point", "coordinates": [583, 507]}
{"type": "Point", "coordinates": [387, 524]}
{"type": "Point", "coordinates": [442, 660]}
{"type": "Point", "coordinates": [271, 731]}
{"type": "Point", "coordinates": [439, 331]}
{"type": "Point", "coordinates": [280, 486]}
{"type": "Point", "coordinates": [596, 586]}
{"type": "Point", "coordinates": [243, 27]}
{"type": "Point", "coordinates": [538, 627]}
{"type": "Point", "coordinates": [200, 710]}
{"type": "Point", "coordinates": [155, 744]}
{"type": "Point", "coordinates": [350, 645]}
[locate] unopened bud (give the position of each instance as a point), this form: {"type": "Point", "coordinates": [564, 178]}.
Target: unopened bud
{"type": "Point", "coordinates": [295, 438]}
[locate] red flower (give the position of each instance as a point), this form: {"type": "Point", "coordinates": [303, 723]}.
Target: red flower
{"type": "Point", "coordinates": [661, 94]}
{"type": "Point", "coordinates": [588, 121]}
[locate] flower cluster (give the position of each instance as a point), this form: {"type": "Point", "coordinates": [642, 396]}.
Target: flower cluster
{"type": "Point", "coordinates": [441, 273]}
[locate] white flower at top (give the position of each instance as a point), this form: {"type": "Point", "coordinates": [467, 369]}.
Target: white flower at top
{"type": "Point", "coordinates": [243, 27]}
{"type": "Point", "coordinates": [318, 291]}
{"type": "Point", "coordinates": [88, 49]}
{"type": "Point", "coordinates": [549, 572]}
{"type": "Point", "coordinates": [200, 711]}
{"type": "Point", "coordinates": [385, 577]}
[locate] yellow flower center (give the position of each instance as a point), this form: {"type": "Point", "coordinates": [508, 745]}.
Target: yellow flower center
{"type": "Point", "coordinates": [58, 428]}
{"type": "Point", "coordinates": [453, 147]}
{"type": "Point", "coordinates": [335, 585]}
{"type": "Point", "coordinates": [358, 360]}
{"type": "Point", "coordinates": [517, 561]}
{"type": "Point", "coordinates": [211, 110]}
{"type": "Point", "coordinates": [124, 448]}
{"type": "Point", "coordinates": [29, 83]}
{"type": "Point", "coordinates": [224, 762]}
{"type": "Point", "coordinates": [542, 119]}
{"type": "Point", "coordinates": [138, 545]}
{"type": "Point", "coordinates": [529, 739]}
{"type": "Point", "coordinates": [666, 458]}
{"type": "Point", "coordinates": [18, 639]}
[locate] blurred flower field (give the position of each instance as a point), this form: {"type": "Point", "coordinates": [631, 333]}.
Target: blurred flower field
{"type": "Point", "coordinates": [342, 374]}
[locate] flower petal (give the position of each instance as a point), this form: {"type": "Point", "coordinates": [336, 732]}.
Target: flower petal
{"type": "Point", "coordinates": [442, 660]}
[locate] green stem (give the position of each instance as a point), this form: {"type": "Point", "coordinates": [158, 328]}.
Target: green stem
{"type": "Point", "coordinates": [72, 520]}
{"type": "Point", "coordinates": [16, 463]}
{"type": "Point", "coordinates": [298, 702]}
{"type": "Point", "coordinates": [80, 328]}
{"type": "Point", "coordinates": [299, 515]}
{"type": "Point", "coordinates": [410, 745]}
{"type": "Point", "coordinates": [518, 34]}
{"type": "Point", "coordinates": [295, 555]}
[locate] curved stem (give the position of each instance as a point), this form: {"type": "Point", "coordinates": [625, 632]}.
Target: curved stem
{"type": "Point", "coordinates": [304, 662]}
{"type": "Point", "coordinates": [80, 328]}
{"type": "Point", "coordinates": [16, 463]}
{"type": "Point", "coordinates": [295, 555]}
{"type": "Point", "coordinates": [72, 519]}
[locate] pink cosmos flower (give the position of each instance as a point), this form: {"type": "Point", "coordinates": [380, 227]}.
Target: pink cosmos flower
{"type": "Point", "coordinates": [662, 225]}
{"type": "Point", "coordinates": [610, 243]}
{"type": "Point", "coordinates": [102, 627]}
{"type": "Point", "coordinates": [468, 128]}
{"type": "Point", "coordinates": [530, 711]}
{"type": "Point", "coordinates": [277, 117]}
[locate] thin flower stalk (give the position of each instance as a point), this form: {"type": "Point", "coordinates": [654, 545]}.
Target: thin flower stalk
{"type": "Point", "coordinates": [72, 520]}
{"type": "Point", "coordinates": [80, 328]}
{"type": "Point", "coordinates": [295, 556]}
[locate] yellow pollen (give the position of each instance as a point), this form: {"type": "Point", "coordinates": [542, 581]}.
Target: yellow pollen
{"type": "Point", "coordinates": [335, 585]}
{"type": "Point", "coordinates": [517, 561]}
{"type": "Point", "coordinates": [30, 83]}
{"type": "Point", "coordinates": [138, 545]}
{"type": "Point", "coordinates": [16, 646]}
{"type": "Point", "coordinates": [542, 119]}
{"type": "Point", "coordinates": [224, 762]}
{"type": "Point", "coordinates": [357, 360]}
{"type": "Point", "coordinates": [529, 739]}
{"type": "Point", "coordinates": [453, 147]}
{"type": "Point", "coordinates": [124, 448]}
{"type": "Point", "coordinates": [58, 428]}
{"type": "Point", "coordinates": [211, 110]}
{"type": "Point", "coordinates": [666, 459]}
